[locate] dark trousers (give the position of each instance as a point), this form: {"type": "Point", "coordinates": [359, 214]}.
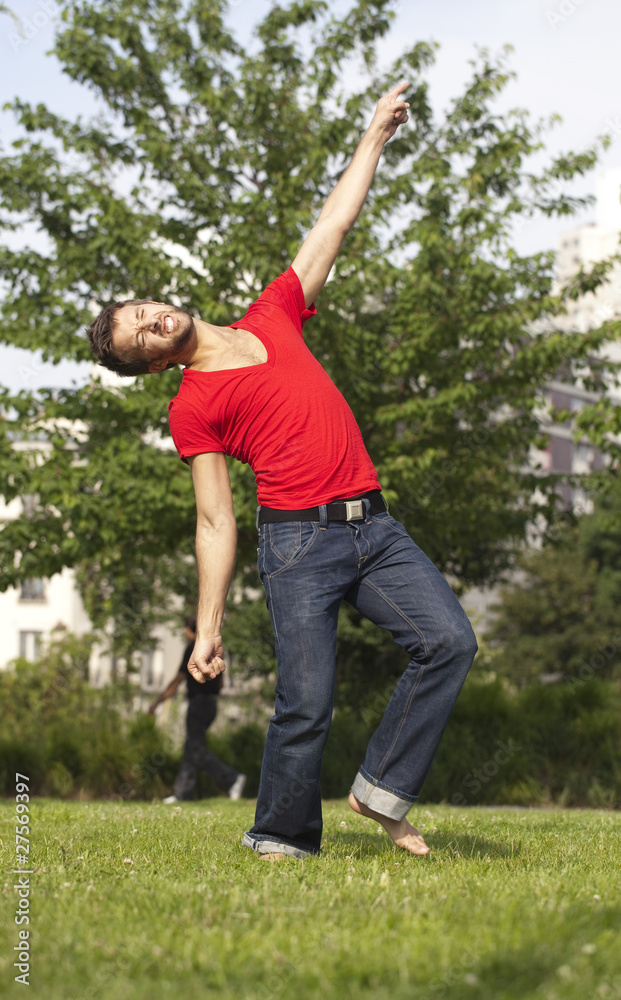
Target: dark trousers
{"type": "Point", "coordinates": [308, 568]}
{"type": "Point", "coordinates": [202, 710]}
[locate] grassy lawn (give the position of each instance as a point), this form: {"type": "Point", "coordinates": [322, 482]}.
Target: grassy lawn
{"type": "Point", "coordinates": [151, 902]}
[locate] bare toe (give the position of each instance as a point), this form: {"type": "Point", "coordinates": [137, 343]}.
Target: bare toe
{"type": "Point", "coordinates": [400, 831]}
{"type": "Point", "coordinates": [412, 842]}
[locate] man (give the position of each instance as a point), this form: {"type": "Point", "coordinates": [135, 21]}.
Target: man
{"type": "Point", "coordinates": [202, 710]}
{"type": "Point", "coordinates": [254, 391]}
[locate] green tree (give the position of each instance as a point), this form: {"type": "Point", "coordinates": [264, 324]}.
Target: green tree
{"type": "Point", "coordinates": [562, 615]}
{"type": "Point", "coordinates": [196, 182]}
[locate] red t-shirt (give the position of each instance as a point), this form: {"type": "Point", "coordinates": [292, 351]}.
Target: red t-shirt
{"type": "Point", "coordinates": [285, 418]}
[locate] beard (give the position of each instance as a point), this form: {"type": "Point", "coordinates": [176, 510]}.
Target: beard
{"type": "Point", "coordinates": [181, 337]}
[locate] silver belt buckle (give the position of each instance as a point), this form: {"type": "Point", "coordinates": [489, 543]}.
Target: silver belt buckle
{"type": "Point", "coordinates": [354, 509]}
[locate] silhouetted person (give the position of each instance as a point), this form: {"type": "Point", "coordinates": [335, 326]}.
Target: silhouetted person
{"type": "Point", "coordinates": [202, 710]}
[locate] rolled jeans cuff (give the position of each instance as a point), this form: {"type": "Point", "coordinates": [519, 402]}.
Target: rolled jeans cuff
{"type": "Point", "coordinates": [272, 846]}
{"type": "Point", "coordinates": [385, 802]}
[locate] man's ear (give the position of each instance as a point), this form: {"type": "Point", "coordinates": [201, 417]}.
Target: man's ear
{"type": "Point", "coordinates": [158, 366]}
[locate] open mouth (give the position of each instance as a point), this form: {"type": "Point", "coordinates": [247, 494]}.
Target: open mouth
{"type": "Point", "coordinates": [169, 324]}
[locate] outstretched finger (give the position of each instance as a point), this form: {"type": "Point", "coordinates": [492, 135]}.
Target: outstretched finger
{"type": "Point", "coordinates": [396, 91]}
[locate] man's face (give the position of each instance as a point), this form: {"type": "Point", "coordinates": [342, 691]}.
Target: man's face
{"type": "Point", "coordinates": [151, 331]}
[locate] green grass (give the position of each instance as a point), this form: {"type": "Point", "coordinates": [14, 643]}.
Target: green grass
{"type": "Point", "coordinates": [508, 904]}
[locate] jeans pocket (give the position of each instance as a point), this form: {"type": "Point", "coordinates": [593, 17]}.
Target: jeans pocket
{"type": "Point", "coordinates": [285, 539]}
{"type": "Point", "coordinates": [287, 542]}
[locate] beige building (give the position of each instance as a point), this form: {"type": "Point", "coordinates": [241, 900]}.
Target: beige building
{"type": "Point", "coordinates": [31, 612]}
{"type": "Point", "coordinates": [585, 245]}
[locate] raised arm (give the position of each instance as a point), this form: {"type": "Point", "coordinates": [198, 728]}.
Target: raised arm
{"type": "Point", "coordinates": [216, 543]}
{"type": "Point", "coordinates": [318, 252]}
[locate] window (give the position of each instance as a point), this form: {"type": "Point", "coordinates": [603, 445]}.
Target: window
{"type": "Point", "coordinates": [30, 645]}
{"type": "Point", "coordinates": [30, 502]}
{"type": "Point", "coordinates": [583, 453]}
{"type": "Point", "coordinates": [32, 590]}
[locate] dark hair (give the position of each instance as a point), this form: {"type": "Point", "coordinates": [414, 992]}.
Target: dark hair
{"type": "Point", "coordinates": [100, 333]}
{"type": "Point", "coordinates": [190, 623]}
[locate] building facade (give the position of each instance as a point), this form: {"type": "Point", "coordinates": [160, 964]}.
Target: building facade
{"type": "Point", "coordinates": [30, 613]}
{"type": "Point", "coordinates": [584, 246]}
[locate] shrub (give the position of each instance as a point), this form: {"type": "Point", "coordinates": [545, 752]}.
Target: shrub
{"type": "Point", "coordinates": [556, 743]}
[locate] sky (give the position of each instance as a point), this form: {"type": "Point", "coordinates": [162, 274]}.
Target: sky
{"type": "Point", "coordinates": [565, 56]}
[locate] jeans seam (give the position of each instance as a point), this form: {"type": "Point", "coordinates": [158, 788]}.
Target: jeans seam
{"type": "Point", "coordinates": [397, 531]}
{"type": "Point", "coordinates": [404, 715]}
{"type": "Point", "coordinates": [421, 671]}
{"type": "Point", "coordinates": [401, 614]}
{"type": "Point", "coordinates": [268, 590]}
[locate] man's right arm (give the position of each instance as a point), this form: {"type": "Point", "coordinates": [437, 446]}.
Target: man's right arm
{"type": "Point", "coordinates": [317, 254]}
{"type": "Point", "coordinates": [216, 543]}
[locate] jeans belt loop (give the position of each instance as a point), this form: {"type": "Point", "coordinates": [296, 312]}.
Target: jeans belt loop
{"type": "Point", "coordinates": [323, 516]}
{"type": "Point", "coordinates": [367, 510]}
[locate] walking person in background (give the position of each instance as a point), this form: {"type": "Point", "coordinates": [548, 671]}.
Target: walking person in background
{"type": "Point", "coordinates": [202, 710]}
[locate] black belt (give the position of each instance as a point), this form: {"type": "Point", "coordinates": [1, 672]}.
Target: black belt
{"type": "Point", "coordinates": [339, 510]}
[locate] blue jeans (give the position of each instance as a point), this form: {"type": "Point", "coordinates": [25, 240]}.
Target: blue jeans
{"type": "Point", "coordinates": [307, 569]}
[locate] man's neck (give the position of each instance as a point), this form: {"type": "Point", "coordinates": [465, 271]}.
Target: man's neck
{"type": "Point", "coordinates": [203, 347]}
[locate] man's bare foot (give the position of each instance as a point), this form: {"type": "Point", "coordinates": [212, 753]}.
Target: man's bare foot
{"type": "Point", "coordinates": [400, 831]}
{"type": "Point", "coordinates": [272, 856]}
